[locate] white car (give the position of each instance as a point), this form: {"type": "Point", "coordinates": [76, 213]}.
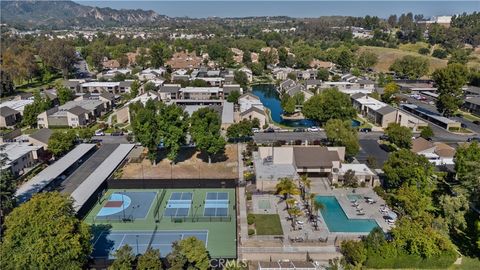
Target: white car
{"type": "Point", "coordinates": [99, 133]}
{"type": "Point", "coordinates": [313, 129]}
{"type": "Point", "coordinates": [255, 130]}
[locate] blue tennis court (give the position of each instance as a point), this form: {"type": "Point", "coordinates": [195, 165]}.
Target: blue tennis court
{"type": "Point", "coordinates": [179, 204]}
{"type": "Point", "coordinates": [126, 205]}
{"type": "Point", "coordinates": [106, 243]}
{"type": "Point", "coordinates": [216, 204]}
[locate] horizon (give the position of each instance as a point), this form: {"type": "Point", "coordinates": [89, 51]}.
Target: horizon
{"type": "Point", "coordinates": [295, 9]}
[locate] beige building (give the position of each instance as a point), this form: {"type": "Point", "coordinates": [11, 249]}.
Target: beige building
{"type": "Point", "coordinates": [382, 114]}
{"type": "Point", "coordinates": [123, 114]}
{"type": "Point", "coordinates": [9, 117]}
{"type": "Point", "coordinates": [21, 156]}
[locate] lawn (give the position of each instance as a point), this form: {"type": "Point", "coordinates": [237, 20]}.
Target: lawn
{"type": "Point", "coordinates": [470, 117]}
{"type": "Point", "coordinates": [467, 264]}
{"type": "Point", "coordinates": [268, 224]}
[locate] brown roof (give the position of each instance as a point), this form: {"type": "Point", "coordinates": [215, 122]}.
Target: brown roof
{"type": "Point", "coordinates": [444, 150]}
{"type": "Point", "coordinates": [314, 157]}
{"type": "Point", "coordinates": [182, 60]}
{"type": "Point", "coordinates": [420, 144]}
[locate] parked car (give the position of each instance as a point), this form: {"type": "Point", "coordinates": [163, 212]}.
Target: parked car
{"type": "Point", "coordinates": [99, 133]}
{"type": "Point", "coordinates": [269, 130]}
{"type": "Point", "coordinates": [313, 129]}
{"type": "Point", "coordinates": [383, 137]}
{"type": "Point", "coordinates": [366, 130]}
{"type": "Point", "coordinates": [255, 130]}
{"type": "Point", "coordinates": [473, 139]}
{"type": "Point", "coordinates": [117, 133]}
{"type": "Point", "coordinates": [476, 122]}
{"type": "Point", "coordinates": [299, 130]}
{"type": "Point", "coordinates": [463, 125]}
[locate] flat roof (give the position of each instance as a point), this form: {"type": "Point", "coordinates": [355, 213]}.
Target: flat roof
{"type": "Point", "coordinates": [16, 150]}
{"type": "Point", "coordinates": [18, 105]}
{"type": "Point", "coordinates": [45, 177]}
{"type": "Point", "coordinates": [97, 177]}
{"type": "Point", "coordinates": [100, 84]}
{"type": "Point", "coordinates": [430, 114]}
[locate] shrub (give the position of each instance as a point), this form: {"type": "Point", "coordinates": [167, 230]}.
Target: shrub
{"type": "Point", "coordinates": [250, 219]}
{"type": "Point", "coordinates": [249, 196]}
{"type": "Point", "coordinates": [251, 231]}
{"type": "Point", "coordinates": [439, 53]}
{"type": "Point", "coordinates": [424, 51]}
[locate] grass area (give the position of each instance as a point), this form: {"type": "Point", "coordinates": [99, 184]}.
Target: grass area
{"type": "Point", "coordinates": [469, 116]}
{"type": "Point", "coordinates": [467, 264]}
{"type": "Point", "coordinates": [268, 224]}
{"type": "Point", "coordinates": [386, 56]}
{"type": "Point", "coordinates": [413, 47]}
{"type": "Point", "coordinates": [37, 84]}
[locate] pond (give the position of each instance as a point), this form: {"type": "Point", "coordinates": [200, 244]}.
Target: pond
{"type": "Point", "coordinates": [269, 97]}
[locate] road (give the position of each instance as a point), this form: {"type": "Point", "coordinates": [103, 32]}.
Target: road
{"type": "Point", "coordinates": [107, 139]}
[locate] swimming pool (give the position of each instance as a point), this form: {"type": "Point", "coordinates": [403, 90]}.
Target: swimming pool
{"type": "Point", "coordinates": [337, 220]}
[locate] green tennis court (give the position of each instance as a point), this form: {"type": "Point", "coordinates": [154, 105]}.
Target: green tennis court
{"type": "Point", "coordinates": [209, 210]}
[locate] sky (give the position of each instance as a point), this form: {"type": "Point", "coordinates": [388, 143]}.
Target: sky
{"type": "Point", "coordinates": [299, 9]}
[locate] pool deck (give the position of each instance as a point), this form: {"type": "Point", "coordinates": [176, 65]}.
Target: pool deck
{"type": "Point", "coordinates": [372, 211]}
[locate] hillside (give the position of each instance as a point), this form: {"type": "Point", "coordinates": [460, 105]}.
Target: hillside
{"type": "Point", "coordinates": [386, 57]}
{"type": "Point", "coordinates": [65, 14]}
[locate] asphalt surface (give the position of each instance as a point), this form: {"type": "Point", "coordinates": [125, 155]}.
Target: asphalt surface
{"type": "Point", "coordinates": [107, 139]}
{"type": "Point", "coordinates": [88, 166]}
{"type": "Point", "coordinates": [371, 148]}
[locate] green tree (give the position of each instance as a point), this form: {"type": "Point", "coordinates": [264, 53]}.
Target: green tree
{"type": "Point", "coordinates": [406, 167]}
{"type": "Point", "coordinates": [85, 134]}
{"type": "Point", "coordinates": [189, 253]}
{"type": "Point", "coordinates": [427, 132]}
{"type": "Point", "coordinates": [323, 74]}
{"type": "Point", "coordinates": [149, 86]}
{"type": "Point", "coordinates": [454, 210]}
{"type": "Point", "coordinates": [450, 81]}
{"type": "Point", "coordinates": [345, 60]}
{"type": "Point", "coordinates": [341, 133]}
{"type": "Point", "coordinates": [205, 132]}
{"type": "Point", "coordinates": [47, 227]}
{"type": "Point", "coordinates": [64, 95]}
{"type": "Point", "coordinates": [59, 54]}
{"type": "Point", "coordinates": [389, 92]}
{"type": "Point", "coordinates": [399, 135]}
{"type": "Point", "coordinates": [257, 69]}
{"type": "Point", "coordinates": [411, 201]}
{"type": "Point", "coordinates": [354, 252]}
{"type": "Point", "coordinates": [289, 104]}
{"type": "Point", "coordinates": [241, 129]}
{"type": "Point", "coordinates": [150, 260]}
{"type": "Point", "coordinates": [286, 187]}
{"type": "Point", "coordinates": [124, 258]}
{"type": "Point", "coordinates": [330, 104]}
{"type": "Point", "coordinates": [241, 78]}
{"type": "Point", "coordinates": [411, 67]}
{"type": "Point", "coordinates": [7, 185]}
{"type": "Point", "coordinates": [146, 127]}
{"type": "Point", "coordinates": [6, 84]}
{"type": "Point", "coordinates": [61, 142]}
{"type": "Point", "coordinates": [466, 160]}
{"type": "Point", "coordinates": [31, 111]}
{"type": "Point", "coordinates": [172, 127]}
{"type": "Point", "coordinates": [134, 89]}
{"type": "Point", "coordinates": [199, 83]}
{"type": "Point", "coordinates": [459, 56]}
{"type": "Point", "coordinates": [159, 53]}
{"type": "Point", "coordinates": [233, 96]}
{"type": "Point", "coordinates": [367, 60]}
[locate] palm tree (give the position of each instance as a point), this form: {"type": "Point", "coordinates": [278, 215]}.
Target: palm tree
{"type": "Point", "coordinates": [294, 213]}
{"type": "Point", "coordinates": [317, 206]}
{"type": "Point", "coordinates": [290, 202]}
{"type": "Point", "coordinates": [287, 187]}
{"type": "Point", "coordinates": [305, 184]}
{"type": "Point", "coordinates": [310, 200]}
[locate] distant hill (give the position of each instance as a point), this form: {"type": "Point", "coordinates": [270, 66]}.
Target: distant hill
{"type": "Point", "coordinates": [65, 14]}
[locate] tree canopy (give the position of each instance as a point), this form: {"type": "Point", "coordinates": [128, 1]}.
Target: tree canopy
{"type": "Point", "coordinates": [399, 135]}
{"type": "Point", "coordinates": [205, 132]}
{"type": "Point", "coordinates": [329, 104]}
{"type": "Point", "coordinates": [150, 260]}
{"type": "Point", "coordinates": [404, 166]}
{"type": "Point", "coordinates": [189, 253]}
{"type": "Point", "coordinates": [124, 258]}
{"type": "Point", "coordinates": [449, 81]}
{"type": "Point", "coordinates": [410, 67]}
{"type": "Point", "coordinates": [44, 233]}
{"type": "Point", "coordinates": [61, 142]}
{"type": "Point", "coordinates": [341, 133]}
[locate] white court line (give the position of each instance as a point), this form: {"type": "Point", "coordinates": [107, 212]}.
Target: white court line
{"type": "Point", "coordinates": [98, 238]}
{"type": "Point", "coordinates": [121, 242]}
